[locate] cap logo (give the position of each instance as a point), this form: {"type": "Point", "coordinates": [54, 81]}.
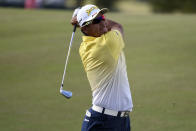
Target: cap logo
{"type": "Point", "coordinates": [90, 10]}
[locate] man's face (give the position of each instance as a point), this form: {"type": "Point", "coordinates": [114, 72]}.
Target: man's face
{"type": "Point", "coordinates": [97, 27]}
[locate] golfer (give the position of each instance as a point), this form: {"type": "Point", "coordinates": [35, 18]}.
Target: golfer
{"type": "Point", "coordinates": [103, 59]}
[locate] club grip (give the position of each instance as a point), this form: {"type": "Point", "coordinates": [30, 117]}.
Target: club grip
{"type": "Point", "coordinates": [74, 29]}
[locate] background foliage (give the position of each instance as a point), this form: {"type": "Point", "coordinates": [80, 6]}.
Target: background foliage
{"type": "Point", "coordinates": [187, 6]}
{"type": "Point", "coordinates": [110, 4]}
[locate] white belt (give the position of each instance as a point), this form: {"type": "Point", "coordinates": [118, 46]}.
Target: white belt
{"type": "Point", "coordinates": [110, 112]}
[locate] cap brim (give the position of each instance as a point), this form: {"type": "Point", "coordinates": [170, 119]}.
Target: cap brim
{"type": "Point", "coordinates": [102, 11]}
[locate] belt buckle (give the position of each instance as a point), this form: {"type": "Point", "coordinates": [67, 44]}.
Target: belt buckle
{"type": "Point", "coordinates": [125, 114]}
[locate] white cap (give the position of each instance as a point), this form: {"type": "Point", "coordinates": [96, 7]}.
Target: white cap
{"type": "Point", "coordinates": [88, 13]}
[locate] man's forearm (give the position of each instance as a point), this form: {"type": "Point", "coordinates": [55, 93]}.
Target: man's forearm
{"type": "Point", "coordinates": [111, 25]}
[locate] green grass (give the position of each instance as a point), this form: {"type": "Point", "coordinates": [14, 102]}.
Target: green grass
{"type": "Point", "coordinates": [160, 52]}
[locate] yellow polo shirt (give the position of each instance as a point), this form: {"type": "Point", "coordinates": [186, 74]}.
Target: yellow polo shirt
{"type": "Point", "coordinates": [99, 56]}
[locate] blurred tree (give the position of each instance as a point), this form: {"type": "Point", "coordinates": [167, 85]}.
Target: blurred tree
{"type": "Point", "coordinates": [77, 3]}
{"type": "Point", "coordinates": [169, 6]}
{"type": "Point", "coordinates": [110, 4]}
{"type": "Point", "coordinates": [188, 6]}
{"type": "Point", "coordinates": [163, 5]}
{"type": "Point", "coordinates": [141, 0]}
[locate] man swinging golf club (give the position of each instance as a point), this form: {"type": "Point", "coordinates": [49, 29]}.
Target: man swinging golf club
{"type": "Point", "coordinates": [102, 55]}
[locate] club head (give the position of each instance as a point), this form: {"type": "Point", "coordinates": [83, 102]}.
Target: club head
{"type": "Point", "coordinates": [67, 94]}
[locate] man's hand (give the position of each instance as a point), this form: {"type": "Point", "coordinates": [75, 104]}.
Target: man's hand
{"type": "Point", "coordinates": [74, 17]}
{"type": "Point", "coordinates": [74, 21]}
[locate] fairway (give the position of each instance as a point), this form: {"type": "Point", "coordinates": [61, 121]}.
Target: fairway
{"type": "Point", "coordinates": [161, 63]}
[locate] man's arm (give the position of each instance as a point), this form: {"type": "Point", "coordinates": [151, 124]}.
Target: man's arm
{"type": "Point", "coordinates": [111, 25]}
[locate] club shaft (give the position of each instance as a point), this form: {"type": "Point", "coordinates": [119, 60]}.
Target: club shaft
{"type": "Point", "coordinates": [67, 58]}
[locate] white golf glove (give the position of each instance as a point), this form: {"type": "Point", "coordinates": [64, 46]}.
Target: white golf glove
{"type": "Point", "coordinates": [75, 12]}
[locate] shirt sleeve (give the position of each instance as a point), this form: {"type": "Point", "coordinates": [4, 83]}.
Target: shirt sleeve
{"type": "Point", "coordinates": [114, 42]}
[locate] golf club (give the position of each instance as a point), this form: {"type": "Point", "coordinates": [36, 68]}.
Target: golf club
{"type": "Point", "coordinates": [67, 94]}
